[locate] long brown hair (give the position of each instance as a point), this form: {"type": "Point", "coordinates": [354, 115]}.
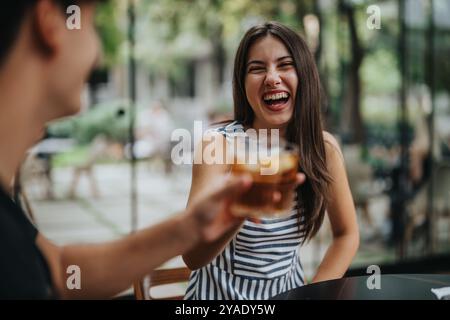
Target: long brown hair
{"type": "Point", "coordinates": [305, 127]}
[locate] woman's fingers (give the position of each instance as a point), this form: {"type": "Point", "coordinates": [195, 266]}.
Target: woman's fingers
{"type": "Point", "coordinates": [255, 220]}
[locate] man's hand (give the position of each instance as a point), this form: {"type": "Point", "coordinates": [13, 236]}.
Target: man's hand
{"type": "Point", "coordinates": [299, 180]}
{"type": "Point", "coordinates": [209, 214]}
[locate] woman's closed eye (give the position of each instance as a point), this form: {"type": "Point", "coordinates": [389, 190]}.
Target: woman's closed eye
{"type": "Point", "coordinates": [260, 69]}
{"type": "Point", "coordinates": [256, 69]}
{"type": "Point", "coordinates": [286, 65]}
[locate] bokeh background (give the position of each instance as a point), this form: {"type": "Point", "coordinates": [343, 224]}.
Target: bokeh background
{"type": "Point", "coordinates": [167, 63]}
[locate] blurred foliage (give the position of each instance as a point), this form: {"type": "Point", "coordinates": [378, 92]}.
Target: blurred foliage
{"type": "Point", "coordinates": [380, 133]}
{"type": "Point", "coordinates": [104, 119]}
{"type": "Point", "coordinates": [173, 30]}
{"type": "Point", "coordinates": [379, 73]}
{"type": "Point", "coordinates": [110, 34]}
{"type": "Point", "coordinates": [173, 33]}
{"type": "Point", "coordinates": [442, 61]}
{"type": "Point", "coordinates": [77, 156]}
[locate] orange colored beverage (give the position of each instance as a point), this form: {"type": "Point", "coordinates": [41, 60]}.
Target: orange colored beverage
{"type": "Point", "coordinates": [258, 201]}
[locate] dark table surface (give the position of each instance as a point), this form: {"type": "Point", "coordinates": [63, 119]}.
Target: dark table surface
{"type": "Point", "coordinates": [393, 287]}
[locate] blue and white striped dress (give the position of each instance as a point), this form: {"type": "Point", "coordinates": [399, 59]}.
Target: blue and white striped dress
{"type": "Point", "coordinates": [261, 261]}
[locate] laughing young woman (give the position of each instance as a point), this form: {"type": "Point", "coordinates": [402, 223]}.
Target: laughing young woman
{"type": "Point", "coordinates": [276, 86]}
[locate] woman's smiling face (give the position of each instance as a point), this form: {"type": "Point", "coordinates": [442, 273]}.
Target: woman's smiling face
{"type": "Point", "coordinates": [271, 83]}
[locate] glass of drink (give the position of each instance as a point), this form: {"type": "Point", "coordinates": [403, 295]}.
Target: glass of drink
{"type": "Point", "coordinates": [273, 167]}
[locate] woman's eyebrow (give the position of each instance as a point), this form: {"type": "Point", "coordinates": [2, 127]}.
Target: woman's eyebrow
{"type": "Point", "coordinates": [284, 57]}
{"type": "Point", "coordinates": [262, 62]}
{"type": "Point", "coordinates": [255, 62]}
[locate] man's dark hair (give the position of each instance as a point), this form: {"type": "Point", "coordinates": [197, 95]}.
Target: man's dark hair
{"type": "Point", "coordinates": [12, 15]}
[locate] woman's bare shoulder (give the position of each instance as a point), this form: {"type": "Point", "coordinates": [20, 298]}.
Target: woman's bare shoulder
{"type": "Point", "coordinates": [332, 147]}
{"type": "Point", "coordinates": [210, 154]}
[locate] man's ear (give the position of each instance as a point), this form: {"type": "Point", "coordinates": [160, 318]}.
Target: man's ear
{"type": "Point", "coordinates": [48, 27]}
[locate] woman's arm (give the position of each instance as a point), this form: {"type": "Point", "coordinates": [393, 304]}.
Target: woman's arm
{"type": "Point", "coordinates": [109, 268]}
{"type": "Point", "coordinates": [342, 216]}
{"type": "Point", "coordinates": [203, 176]}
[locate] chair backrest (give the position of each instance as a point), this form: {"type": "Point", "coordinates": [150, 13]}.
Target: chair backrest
{"type": "Point", "coordinates": [142, 289]}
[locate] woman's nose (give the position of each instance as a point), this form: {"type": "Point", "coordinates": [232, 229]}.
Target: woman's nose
{"type": "Point", "coordinates": [272, 79]}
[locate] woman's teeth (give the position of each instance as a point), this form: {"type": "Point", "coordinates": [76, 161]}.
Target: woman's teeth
{"type": "Point", "coordinates": [276, 98]}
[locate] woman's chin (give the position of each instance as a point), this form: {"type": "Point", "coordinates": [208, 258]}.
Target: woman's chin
{"type": "Point", "coordinates": [277, 122]}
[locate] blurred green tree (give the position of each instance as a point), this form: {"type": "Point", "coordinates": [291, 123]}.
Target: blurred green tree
{"type": "Point", "coordinates": [108, 27]}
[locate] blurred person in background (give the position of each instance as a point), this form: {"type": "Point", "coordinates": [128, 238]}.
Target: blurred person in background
{"type": "Point", "coordinates": [408, 192]}
{"type": "Point", "coordinates": [153, 133]}
{"type": "Point", "coordinates": [43, 69]}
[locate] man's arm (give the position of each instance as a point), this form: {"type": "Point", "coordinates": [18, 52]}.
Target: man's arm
{"type": "Point", "coordinates": [108, 269]}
